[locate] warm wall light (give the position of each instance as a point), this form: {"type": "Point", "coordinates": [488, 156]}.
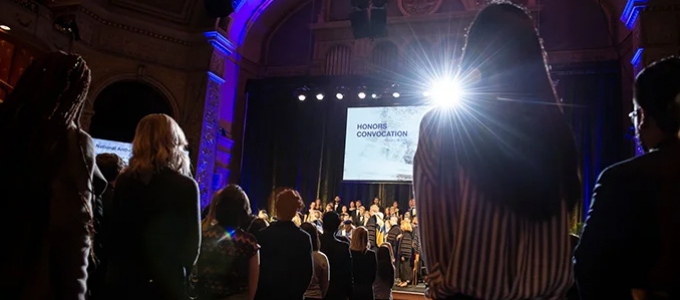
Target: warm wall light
{"type": "Point", "coordinates": [5, 27]}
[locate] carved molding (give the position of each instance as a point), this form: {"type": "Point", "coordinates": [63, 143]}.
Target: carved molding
{"type": "Point", "coordinates": [581, 56]}
{"type": "Point", "coordinates": [419, 7]}
{"type": "Point", "coordinates": [178, 11]}
{"type": "Point", "coordinates": [209, 133]}
{"type": "Point", "coordinates": [217, 63]}
{"type": "Point", "coordinates": [286, 71]}
{"type": "Point", "coordinates": [134, 29]}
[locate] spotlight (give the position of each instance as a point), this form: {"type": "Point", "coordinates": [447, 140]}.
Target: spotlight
{"type": "Point", "coordinates": [445, 92]}
{"type": "Point", "coordinates": [361, 95]}
{"type": "Point", "coordinates": [5, 27]}
{"type": "Point", "coordinates": [319, 96]}
{"type": "Point", "coordinates": [374, 96]}
{"type": "Point", "coordinates": [396, 95]}
{"type": "Point", "coordinates": [339, 96]}
{"type": "Point", "coordinates": [302, 97]}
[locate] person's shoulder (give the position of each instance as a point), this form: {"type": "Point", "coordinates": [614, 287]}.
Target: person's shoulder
{"type": "Point", "coordinates": [629, 169]}
{"type": "Point", "coordinates": [180, 181]}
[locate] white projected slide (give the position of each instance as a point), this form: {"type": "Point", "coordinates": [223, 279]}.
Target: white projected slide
{"type": "Point", "coordinates": [124, 150]}
{"type": "Point", "coordinates": [380, 142]}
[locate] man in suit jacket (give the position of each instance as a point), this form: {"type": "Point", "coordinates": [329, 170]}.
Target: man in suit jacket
{"type": "Point", "coordinates": [631, 241]}
{"type": "Point", "coordinates": [339, 258]}
{"type": "Point", "coordinates": [337, 206]}
{"type": "Point", "coordinates": [359, 218]}
{"type": "Point", "coordinates": [286, 263]}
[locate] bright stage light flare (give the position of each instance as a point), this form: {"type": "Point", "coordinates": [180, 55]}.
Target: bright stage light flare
{"type": "Point", "coordinates": [445, 92]}
{"type": "Point", "coordinates": [396, 95]}
{"type": "Point", "coordinates": [319, 97]}
{"type": "Point", "coordinates": [339, 96]}
{"type": "Point", "coordinates": [302, 97]}
{"type": "Point", "coordinates": [361, 95]}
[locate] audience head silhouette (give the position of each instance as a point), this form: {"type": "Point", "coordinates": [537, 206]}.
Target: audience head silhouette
{"type": "Point", "coordinates": [331, 222]}
{"type": "Point", "coordinates": [159, 144]}
{"type": "Point", "coordinates": [288, 202]}
{"type": "Point", "coordinates": [230, 207]}
{"type": "Point", "coordinates": [110, 165]}
{"type": "Point", "coordinates": [313, 232]}
{"type": "Point", "coordinates": [359, 239]}
{"type": "Point", "coordinates": [504, 47]}
{"type": "Point", "coordinates": [528, 133]}
{"type": "Point", "coordinates": [656, 115]}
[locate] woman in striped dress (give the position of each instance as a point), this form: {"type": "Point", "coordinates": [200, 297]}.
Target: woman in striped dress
{"type": "Point", "coordinates": [496, 175]}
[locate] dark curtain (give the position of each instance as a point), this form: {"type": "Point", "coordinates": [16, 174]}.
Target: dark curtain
{"type": "Point", "coordinates": [301, 144]}
{"type": "Point", "coordinates": [593, 103]}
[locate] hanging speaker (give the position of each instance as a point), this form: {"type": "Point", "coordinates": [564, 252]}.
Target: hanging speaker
{"type": "Point", "coordinates": [218, 8]}
{"type": "Point", "coordinates": [361, 25]}
{"type": "Point", "coordinates": [379, 18]}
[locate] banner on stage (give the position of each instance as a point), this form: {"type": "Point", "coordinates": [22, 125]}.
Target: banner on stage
{"type": "Point", "coordinates": [380, 142]}
{"type": "Point", "coordinates": [124, 150]}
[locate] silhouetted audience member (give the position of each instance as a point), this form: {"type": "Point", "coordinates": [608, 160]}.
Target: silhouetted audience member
{"type": "Point", "coordinates": [630, 246]}
{"type": "Point", "coordinates": [50, 182]}
{"type": "Point", "coordinates": [229, 264]}
{"type": "Point", "coordinates": [256, 225]}
{"type": "Point", "coordinates": [154, 226]}
{"type": "Point", "coordinates": [339, 258]}
{"type": "Point", "coordinates": [287, 263]}
{"type": "Point", "coordinates": [364, 265]}
{"type": "Point", "coordinates": [502, 166]}
{"type": "Point", "coordinates": [385, 273]}
{"type": "Point", "coordinates": [319, 287]}
{"type": "Point", "coordinates": [110, 165]}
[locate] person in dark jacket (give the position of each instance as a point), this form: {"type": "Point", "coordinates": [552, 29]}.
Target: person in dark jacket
{"type": "Point", "coordinates": [630, 246]}
{"type": "Point", "coordinates": [154, 231]}
{"type": "Point", "coordinates": [339, 258]}
{"type": "Point", "coordinates": [385, 280]}
{"type": "Point", "coordinates": [364, 265]}
{"type": "Point", "coordinates": [110, 165]}
{"type": "Point", "coordinates": [287, 264]}
{"type": "Point", "coordinates": [50, 182]}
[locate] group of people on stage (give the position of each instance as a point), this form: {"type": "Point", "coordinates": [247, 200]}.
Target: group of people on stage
{"type": "Point", "coordinates": [400, 231]}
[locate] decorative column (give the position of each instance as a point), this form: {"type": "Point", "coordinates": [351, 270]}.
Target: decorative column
{"type": "Point", "coordinates": [654, 24]}
{"type": "Point", "coordinates": [215, 145]}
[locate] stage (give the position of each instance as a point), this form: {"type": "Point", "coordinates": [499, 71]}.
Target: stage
{"type": "Point", "coordinates": [408, 293]}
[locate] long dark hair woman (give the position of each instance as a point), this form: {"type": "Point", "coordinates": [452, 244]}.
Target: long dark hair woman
{"type": "Point", "coordinates": [497, 174]}
{"type": "Point", "coordinates": [229, 264]}
{"type": "Point", "coordinates": [385, 279]}
{"type": "Point", "coordinates": [49, 185]}
{"type": "Point", "coordinates": [364, 265]}
{"type": "Point", "coordinates": [154, 231]}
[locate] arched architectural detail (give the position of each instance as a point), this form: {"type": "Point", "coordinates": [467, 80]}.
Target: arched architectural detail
{"type": "Point", "coordinates": [97, 87]}
{"type": "Point", "coordinates": [338, 61]}
{"type": "Point", "coordinates": [384, 56]}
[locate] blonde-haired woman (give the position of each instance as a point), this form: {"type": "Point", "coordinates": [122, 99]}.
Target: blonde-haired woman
{"type": "Point", "coordinates": [155, 231]}
{"type": "Point", "coordinates": [364, 265]}
{"type": "Point", "coordinates": [405, 253]}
